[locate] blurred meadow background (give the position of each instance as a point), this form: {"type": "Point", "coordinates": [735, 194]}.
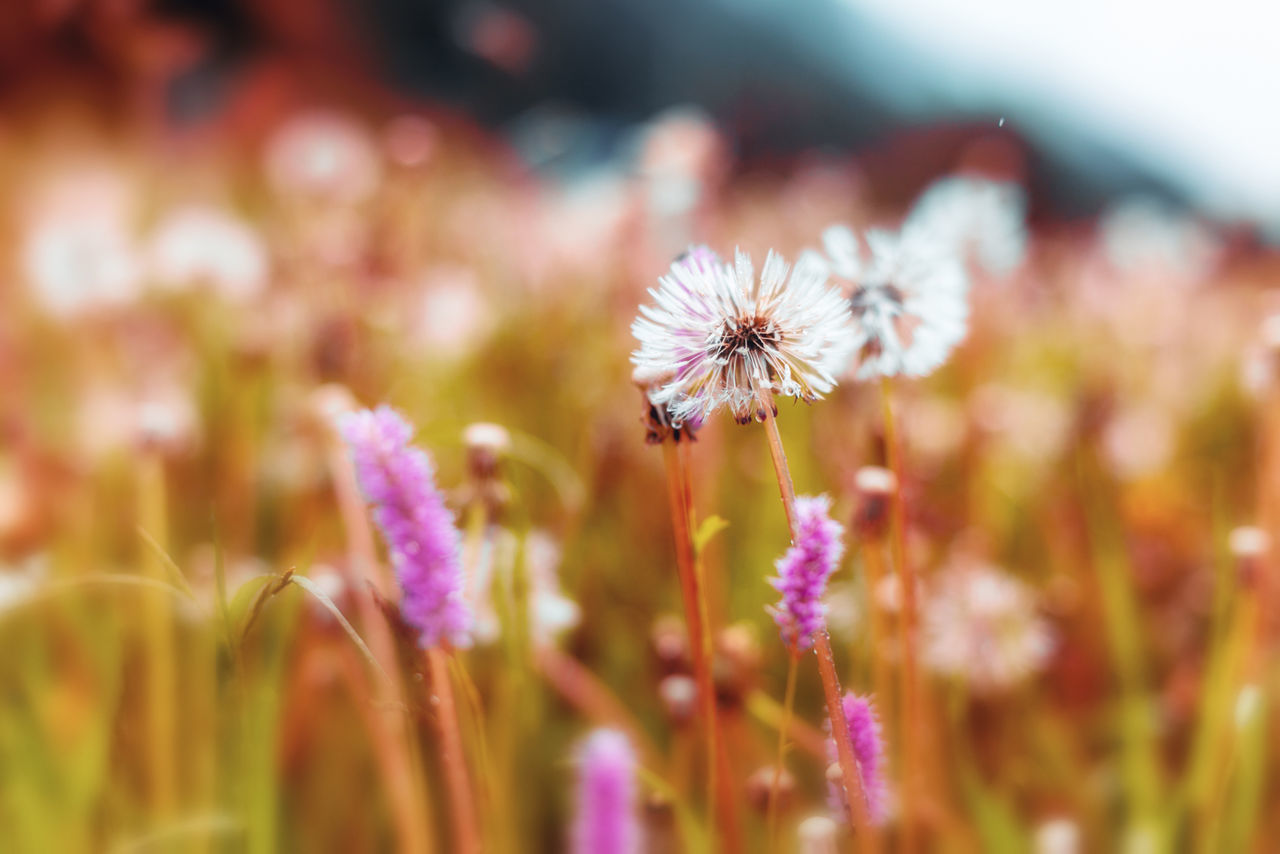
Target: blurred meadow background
{"type": "Point", "coordinates": [225, 224]}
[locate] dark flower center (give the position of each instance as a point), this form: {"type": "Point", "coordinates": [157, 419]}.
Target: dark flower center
{"type": "Point", "coordinates": [752, 334]}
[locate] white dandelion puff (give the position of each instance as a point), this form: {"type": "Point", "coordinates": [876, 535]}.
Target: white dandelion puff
{"type": "Point", "coordinates": [909, 300]}
{"type": "Point", "coordinates": [976, 217]}
{"type": "Point", "coordinates": [725, 337]}
{"type": "Point", "coordinates": [980, 624]}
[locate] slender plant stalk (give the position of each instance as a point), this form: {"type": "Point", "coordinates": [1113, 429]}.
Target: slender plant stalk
{"type": "Point", "coordinates": [394, 742]}
{"type": "Point", "coordinates": [881, 682]}
{"type": "Point", "coordinates": [822, 645]}
{"type": "Point", "coordinates": [678, 494]}
{"type": "Point", "coordinates": [849, 771]}
{"type": "Point", "coordinates": [788, 707]}
{"type": "Point", "coordinates": [466, 839]}
{"type": "Point", "coordinates": [158, 629]}
{"type": "Point", "coordinates": [583, 690]}
{"type": "Point", "coordinates": [781, 470]}
{"type": "Point", "coordinates": [911, 732]}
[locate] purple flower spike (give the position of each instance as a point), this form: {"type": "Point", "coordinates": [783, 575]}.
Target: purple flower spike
{"type": "Point", "coordinates": [868, 748]}
{"type": "Point", "coordinates": [804, 569]}
{"type": "Point", "coordinates": [399, 481]}
{"type": "Point", "coordinates": [606, 819]}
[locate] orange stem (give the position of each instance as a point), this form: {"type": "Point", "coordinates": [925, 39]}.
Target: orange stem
{"type": "Point", "coordinates": [679, 494]}
{"type": "Point", "coordinates": [911, 732]}
{"type": "Point", "coordinates": [461, 804]}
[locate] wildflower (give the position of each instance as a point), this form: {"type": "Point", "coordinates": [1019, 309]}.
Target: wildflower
{"type": "Point", "coordinates": [79, 263]}
{"type": "Point", "coordinates": [659, 425]}
{"type": "Point", "coordinates": [1057, 836]}
{"type": "Point", "coordinates": [909, 300]}
{"type": "Point", "coordinates": [78, 251]}
{"type": "Point", "coordinates": [804, 569]}
{"type": "Point", "coordinates": [817, 834]}
{"type": "Point", "coordinates": [198, 245]}
{"type": "Point", "coordinates": [868, 748]}
{"type": "Point", "coordinates": [398, 480]}
{"type": "Point", "coordinates": [978, 217]}
{"type": "Point", "coordinates": [324, 154]}
{"type": "Point", "coordinates": [1249, 546]}
{"type": "Point", "coordinates": [725, 338]}
{"type": "Point", "coordinates": [980, 624]}
{"type": "Point", "coordinates": [606, 822]}
{"type": "Point", "coordinates": [550, 612]}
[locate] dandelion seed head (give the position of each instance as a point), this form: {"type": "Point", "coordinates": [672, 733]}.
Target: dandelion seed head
{"type": "Point", "coordinates": [725, 337]}
{"type": "Point", "coordinates": [205, 246]}
{"type": "Point", "coordinates": [909, 305]}
{"type": "Point", "coordinates": [975, 218]}
{"type": "Point", "coordinates": [979, 623]}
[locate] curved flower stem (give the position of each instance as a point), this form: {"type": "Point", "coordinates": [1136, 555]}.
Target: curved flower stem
{"type": "Point", "coordinates": [910, 731]}
{"type": "Point", "coordinates": [461, 805]}
{"type": "Point", "coordinates": [788, 706]}
{"type": "Point", "coordinates": [781, 470]}
{"type": "Point", "coordinates": [678, 494]}
{"type": "Point", "coordinates": [822, 646]}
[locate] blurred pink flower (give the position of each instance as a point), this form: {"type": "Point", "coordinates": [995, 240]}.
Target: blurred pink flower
{"type": "Point", "coordinates": [979, 624]}
{"type": "Point", "coordinates": [324, 154]}
{"type": "Point", "coordinates": [605, 821]}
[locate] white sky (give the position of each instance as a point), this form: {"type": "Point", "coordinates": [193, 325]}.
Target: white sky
{"type": "Point", "coordinates": [1194, 86]}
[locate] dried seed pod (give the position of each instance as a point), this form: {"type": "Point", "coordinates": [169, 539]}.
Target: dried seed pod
{"type": "Point", "coordinates": [875, 487]}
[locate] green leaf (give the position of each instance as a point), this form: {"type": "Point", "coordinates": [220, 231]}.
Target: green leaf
{"type": "Point", "coordinates": [710, 526]}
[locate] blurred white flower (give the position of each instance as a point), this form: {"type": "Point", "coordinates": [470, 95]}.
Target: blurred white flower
{"type": "Point", "coordinates": [22, 582]}
{"type": "Point", "coordinates": [78, 250]}
{"type": "Point", "coordinates": [1146, 236]}
{"type": "Point", "coordinates": [1032, 424]}
{"type": "Point", "coordinates": [909, 299]}
{"type": "Point", "coordinates": [979, 624]}
{"type": "Point", "coordinates": [550, 613]}
{"type": "Point", "coordinates": [978, 217]}
{"type": "Point", "coordinates": [324, 154]}
{"type": "Point", "coordinates": [206, 246]}
{"type": "Point", "coordinates": [1057, 836]}
{"type": "Point", "coordinates": [725, 337]}
{"type": "Point", "coordinates": [453, 316]}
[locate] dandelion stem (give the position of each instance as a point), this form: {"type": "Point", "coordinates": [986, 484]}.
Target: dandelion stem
{"type": "Point", "coordinates": [780, 468]}
{"type": "Point", "coordinates": [822, 645]}
{"type": "Point", "coordinates": [910, 732]}
{"type": "Point", "coordinates": [788, 707]}
{"type": "Point", "coordinates": [679, 494]}
{"type": "Point", "coordinates": [461, 804]}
